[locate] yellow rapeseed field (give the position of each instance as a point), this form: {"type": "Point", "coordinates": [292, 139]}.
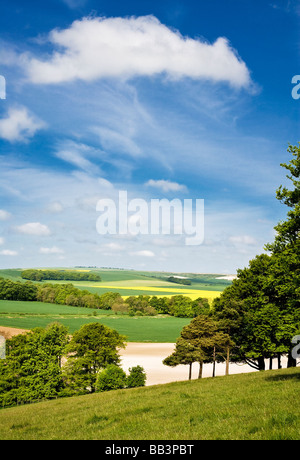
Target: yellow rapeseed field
{"type": "Point", "coordinates": [192, 293]}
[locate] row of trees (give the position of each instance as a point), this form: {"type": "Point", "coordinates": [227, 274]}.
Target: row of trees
{"type": "Point", "coordinates": [142, 305]}
{"type": "Point", "coordinates": [34, 367]}
{"type": "Point", "coordinates": [67, 275]}
{"type": "Point", "coordinates": [176, 279]}
{"type": "Point", "coordinates": [68, 294]}
{"type": "Point", "coordinates": [178, 306]}
{"type": "Point", "coordinates": [257, 316]}
{"type": "Point", "coordinates": [16, 290]}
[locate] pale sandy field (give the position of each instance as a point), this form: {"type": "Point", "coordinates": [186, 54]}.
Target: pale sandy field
{"type": "Point", "coordinates": [150, 357]}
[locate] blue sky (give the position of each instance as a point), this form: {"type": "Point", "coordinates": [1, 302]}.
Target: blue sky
{"type": "Point", "coordinates": [173, 99]}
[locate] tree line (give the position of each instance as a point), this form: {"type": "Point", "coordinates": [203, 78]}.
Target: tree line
{"type": "Point", "coordinates": [257, 316]}
{"type": "Point", "coordinates": [175, 279]}
{"type": "Point", "coordinates": [67, 275]}
{"type": "Point", "coordinates": [68, 294]}
{"type": "Point", "coordinates": [47, 363]}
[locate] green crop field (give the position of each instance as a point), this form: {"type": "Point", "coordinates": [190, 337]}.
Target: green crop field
{"type": "Point", "coordinates": [256, 406]}
{"type": "Point", "coordinates": [27, 315]}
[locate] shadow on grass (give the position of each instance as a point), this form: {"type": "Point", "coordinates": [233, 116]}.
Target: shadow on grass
{"type": "Point", "coordinates": [280, 377]}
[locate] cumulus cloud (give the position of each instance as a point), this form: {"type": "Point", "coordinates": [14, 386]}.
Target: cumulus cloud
{"type": "Point", "coordinates": [33, 228]}
{"type": "Point", "coordinates": [8, 252]}
{"type": "Point", "coordinates": [53, 250]}
{"type": "Point", "coordinates": [143, 253]}
{"type": "Point", "coordinates": [100, 47]}
{"type": "Point", "coordinates": [166, 185]}
{"type": "Point", "coordinates": [19, 125]}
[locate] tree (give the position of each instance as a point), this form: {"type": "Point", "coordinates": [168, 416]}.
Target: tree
{"type": "Point", "coordinates": [32, 370]}
{"type": "Point", "coordinates": [262, 306]}
{"type": "Point", "coordinates": [200, 341]}
{"type": "Point", "coordinates": [108, 299]}
{"type": "Point", "coordinates": [184, 353]}
{"type": "Point", "coordinates": [91, 349]}
{"type": "Point", "coordinates": [285, 250]}
{"type": "Point", "coordinates": [111, 378]}
{"type": "Point", "coordinates": [136, 378]}
{"type": "Point", "coordinates": [252, 313]}
{"type": "Point", "coordinates": [227, 312]}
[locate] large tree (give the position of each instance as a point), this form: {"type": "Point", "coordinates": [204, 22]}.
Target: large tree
{"type": "Point", "coordinates": [262, 307]}
{"type": "Point", "coordinates": [285, 250]}
{"type": "Point", "coordinates": [31, 370]}
{"type": "Point", "coordinates": [200, 341]}
{"type": "Point", "coordinates": [92, 348]}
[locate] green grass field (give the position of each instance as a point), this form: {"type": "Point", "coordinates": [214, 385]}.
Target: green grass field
{"type": "Point", "coordinates": [132, 278]}
{"type": "Point", "coordinates": [255, 406]}
{"type": "Point", "coordinates": [27, 315]}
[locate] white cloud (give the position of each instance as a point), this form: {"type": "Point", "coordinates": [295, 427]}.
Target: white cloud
{"type": "Point", "coordinates": [4, 215]}
{"type": "Point", "coordinates": [243, 239]}
{"type": "Point", "coordinates": [76, 154]}
{"type": "Point", "coordinates": [53, 250]}
{"type": "Point", "coordinates": [8, 252]}
{"type": "Point", "coordinates": [114, 247]}
{"type": "Point", "coordinates": [166, 186]}
{"type": "Point", "coordinates": [1, 240]}
{"type": "Point", "coordinates": [55, 207]}
{"type": "Point", "coordinates": [19, 125]}
{"type": "Point", "coordinates": [143, 253]}
{"type": "Point", "coordinates": [136, 46]}
{"type": "Point", "coordinates": [111, 139]}
{"type": "Point", "coordinates": [33, 228]}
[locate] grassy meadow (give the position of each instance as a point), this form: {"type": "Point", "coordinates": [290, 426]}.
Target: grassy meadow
{"type": "Point", "coordinates": [27, 315]}
{"type": "Point", "coordinates": [256, 406]}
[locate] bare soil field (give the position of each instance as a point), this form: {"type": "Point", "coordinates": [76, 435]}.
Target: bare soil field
{"type": "Point", "coordinates": [150, 357]}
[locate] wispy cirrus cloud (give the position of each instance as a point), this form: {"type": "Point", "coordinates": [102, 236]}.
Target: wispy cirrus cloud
{"type": "Point", "coordinates": [78, 155]}
{"type": "Point", "coordinates": [93, 48]}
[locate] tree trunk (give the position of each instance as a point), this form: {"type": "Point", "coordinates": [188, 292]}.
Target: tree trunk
{"type": "Point", "coordinates": [291, 361]}
{"type": "Point", "coordinates": [190, 372]}
{"type": "Point", "coordinates": [279, 361]}
{"type": "Point", "coordinates": [214, 362]}
{"type": "Point", "coordinates": [271, 363]}
{"type": "Point", "coordinates": [261, 363]}
{"type": "Point", "coordinates": [227, 361]}
{"type": "Point", "coordinates": [200, 369]}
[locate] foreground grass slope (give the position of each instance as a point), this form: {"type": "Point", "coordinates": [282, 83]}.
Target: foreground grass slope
{"type": "Point", "coordinates": [260, 405]}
